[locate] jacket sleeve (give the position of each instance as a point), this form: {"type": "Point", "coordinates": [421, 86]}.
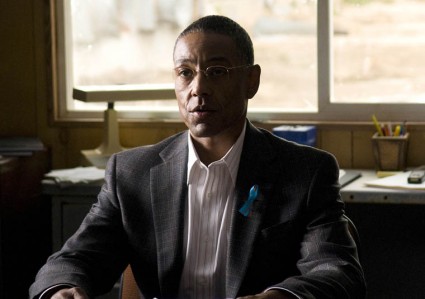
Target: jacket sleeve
{"type": "Point", "coordinates": [329, 265]}
{"type": "Point", "coordinates": [94, 257]}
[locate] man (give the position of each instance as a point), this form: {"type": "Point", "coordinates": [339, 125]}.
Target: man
{"type": "Point", "coordinates": [224, 210]}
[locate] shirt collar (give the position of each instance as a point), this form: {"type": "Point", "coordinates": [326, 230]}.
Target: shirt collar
{"type": "Point", "coordinates": [231, 158]}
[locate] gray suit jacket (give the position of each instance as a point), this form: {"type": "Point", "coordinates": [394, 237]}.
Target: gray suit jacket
{"type": "Point", "coordinates": [295, 238]}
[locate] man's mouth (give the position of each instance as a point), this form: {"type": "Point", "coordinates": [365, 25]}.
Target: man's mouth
{"type": "Point", "coordinates": [201, 109]}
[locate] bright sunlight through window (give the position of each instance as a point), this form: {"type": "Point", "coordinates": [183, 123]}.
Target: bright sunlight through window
{"type": "Point", "coordinates": [130, 42]}
{"type": "Point", "coordinates": [320, 59]}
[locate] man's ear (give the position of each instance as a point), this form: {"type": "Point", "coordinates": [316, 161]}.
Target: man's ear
{"type": "Point", "coordinates": [253, 80]}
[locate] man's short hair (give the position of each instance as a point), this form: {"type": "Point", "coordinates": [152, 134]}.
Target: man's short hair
{"type": "Point", "coordinates": [224, 26]}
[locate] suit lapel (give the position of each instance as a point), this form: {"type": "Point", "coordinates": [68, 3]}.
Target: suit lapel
{"type": "Point", "coordinates": [256, 155]}
{"type": "Point", "coordinates": [169, 191]}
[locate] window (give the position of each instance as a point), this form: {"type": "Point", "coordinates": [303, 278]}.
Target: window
{"type": "Point", "coordinates": [321, 60]}
{"type": "Point", "coordinates": [378, 49]}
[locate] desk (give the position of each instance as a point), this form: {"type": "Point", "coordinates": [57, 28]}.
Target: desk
{"type": "Point", "coordinates": [69, 207]}
{"type": "Point", "coordinates": [357, 192]}
{"type": "Point", "coordinates": [391, 224]}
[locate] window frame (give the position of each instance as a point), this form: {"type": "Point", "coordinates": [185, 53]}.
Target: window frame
{"type": "Point", "coordinates": [327, 111]}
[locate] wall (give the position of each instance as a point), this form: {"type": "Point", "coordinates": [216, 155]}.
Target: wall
{"type": "Point", "coordinates": [17, 68]}
{"type": "Point", "coordinates": [26, 101]}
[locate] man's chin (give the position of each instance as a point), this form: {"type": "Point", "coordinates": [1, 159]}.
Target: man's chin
{"type": "Point", "coordinates": [202, 131]}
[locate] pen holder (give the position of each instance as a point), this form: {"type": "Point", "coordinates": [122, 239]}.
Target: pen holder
{"type": "Point", "coordinates": [390, 152]}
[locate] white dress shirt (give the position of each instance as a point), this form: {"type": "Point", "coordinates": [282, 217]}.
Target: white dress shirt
{"type": "Point", "coordinates": [209, 210]}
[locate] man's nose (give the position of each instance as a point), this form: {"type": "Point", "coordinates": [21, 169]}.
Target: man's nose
{"type": "Point", "coordinates": [200, 84]}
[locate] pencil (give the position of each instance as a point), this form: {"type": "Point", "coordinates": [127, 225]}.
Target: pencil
{"type": "Point", "coordinates": [378, 127]}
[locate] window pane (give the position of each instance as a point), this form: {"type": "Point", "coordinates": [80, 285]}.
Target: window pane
{"type": "Point", "coordinates": [378, 51]}
{"type": "Point", "coordinates": [131, 42]}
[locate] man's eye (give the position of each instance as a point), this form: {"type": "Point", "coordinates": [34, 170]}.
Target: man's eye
{"type": "Point", "coordinates": [216, 71]}
{"type": "Point", "coordinates": [185, 73]}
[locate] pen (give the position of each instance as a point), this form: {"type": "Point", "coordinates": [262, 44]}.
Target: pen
{"type": "Point", "coordinates": [390, 129]}
{"type": "Point", "coordinates": [403, 128]}
{"type": "Point", "coordinates": [378, 127]}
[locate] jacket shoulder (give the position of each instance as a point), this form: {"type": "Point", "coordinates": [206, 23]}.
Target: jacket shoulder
{"type": "Point", "coordinates": [154, 153]}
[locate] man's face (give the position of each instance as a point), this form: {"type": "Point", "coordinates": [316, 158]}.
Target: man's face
{"type": "Point", "coordinates": [211, 105]}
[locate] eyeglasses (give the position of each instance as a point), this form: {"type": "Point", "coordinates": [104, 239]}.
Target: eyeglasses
{"type": "Point", "coordinates": [215, 72]}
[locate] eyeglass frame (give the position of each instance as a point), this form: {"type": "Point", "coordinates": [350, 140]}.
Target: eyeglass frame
{"type": "Point", "coordinates": [205, 72]}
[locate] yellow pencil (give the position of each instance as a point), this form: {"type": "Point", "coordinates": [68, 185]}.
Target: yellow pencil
{"type": "Point", "coordinates": [378, 127]}
{"type": "Point", "coordinates": [397, 130]}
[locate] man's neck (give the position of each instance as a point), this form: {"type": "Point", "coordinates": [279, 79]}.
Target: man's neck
{"type": "Point", "coordinates": [214, 148]}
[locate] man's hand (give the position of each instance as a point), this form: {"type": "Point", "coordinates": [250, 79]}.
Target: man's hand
{"type": "Point", "coordinates": [72, 293]}
{"type": "Point", "coordinates": [271, 294]}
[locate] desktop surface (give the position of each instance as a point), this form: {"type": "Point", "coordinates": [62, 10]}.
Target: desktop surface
{"type": "Point", "coordinates": [358, 192]}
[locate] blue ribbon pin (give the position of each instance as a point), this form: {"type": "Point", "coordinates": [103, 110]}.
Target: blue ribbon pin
{"type": "Point", "coordinates": [246, 208]}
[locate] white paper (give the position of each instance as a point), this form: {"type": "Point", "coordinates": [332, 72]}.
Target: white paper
{"type": "Point", "coordinates": [76, 175]}
{"type": "Point", "coordinates": [398, 181]}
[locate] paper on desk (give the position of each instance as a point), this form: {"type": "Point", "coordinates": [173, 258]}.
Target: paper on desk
{"type": "Point", "coordinates": [397, 181]}
{"type": "Point", "coordinates": [78, 175]}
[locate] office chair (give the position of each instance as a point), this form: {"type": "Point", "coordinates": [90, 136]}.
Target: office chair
{"type": "Point", "coordinates": [128, 287]}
